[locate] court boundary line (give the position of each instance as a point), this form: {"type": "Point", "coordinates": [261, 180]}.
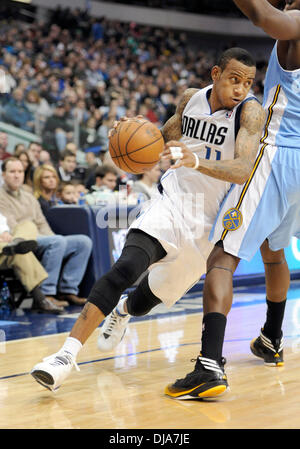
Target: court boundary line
{"type": "Point", "coordinates": [147, 351]}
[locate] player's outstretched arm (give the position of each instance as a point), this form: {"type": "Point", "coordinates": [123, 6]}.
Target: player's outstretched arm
{"type": "Point", "coordinates": [280, 25]}
{"type": "Point", "coordinates": [172, 128]}
{"type": "Point", "coordinates": [237, 170]}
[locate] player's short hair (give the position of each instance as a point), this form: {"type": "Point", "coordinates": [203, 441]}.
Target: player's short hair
{"type": "Point", "coordinates": [239, 54]}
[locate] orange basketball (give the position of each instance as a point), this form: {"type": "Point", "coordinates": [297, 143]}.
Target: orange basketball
{"type": "Point", "coordinates": [135, 145]}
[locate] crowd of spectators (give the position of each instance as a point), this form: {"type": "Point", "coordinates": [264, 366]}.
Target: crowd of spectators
{"type": "Point", "coordinates": [69, 79]}
{"type": "Point", "coordinates": [71, 182]}
{"type": "Point", "coordinates": [69, 83]}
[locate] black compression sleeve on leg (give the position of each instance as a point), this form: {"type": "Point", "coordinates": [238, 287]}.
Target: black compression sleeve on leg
{"type": "Point", "coordinates": [275, 315]}
{"type": "Point", "coordinates": [139, 252]}
{"type": "Point", "coordinates": [106, 292]}
{"type": "Point", "coordinates": [149, 244]}
{"type": "Point", "coordinates": [213, 331]}
{"type": "Point", "coordinates": [141, 300]}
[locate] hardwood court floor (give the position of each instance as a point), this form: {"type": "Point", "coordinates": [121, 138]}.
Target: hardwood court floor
{"type": "Point", "coordinates": [124, 389]}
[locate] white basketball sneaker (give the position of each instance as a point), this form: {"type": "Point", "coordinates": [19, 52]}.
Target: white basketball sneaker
{"type": "Point", "coordinates": [113, 329]}
{"type": "Point", "coordinates": [54, 369]}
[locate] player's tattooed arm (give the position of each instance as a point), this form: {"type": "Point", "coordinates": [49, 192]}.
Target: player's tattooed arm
{"type": "Point", "coordinates": [237, 170]}
{"type": "Point", "coordinates": [172, 129]}
{"type": "Point", "coordinates": [253, 118]}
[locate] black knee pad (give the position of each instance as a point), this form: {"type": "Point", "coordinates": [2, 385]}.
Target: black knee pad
{"type": "Point", "coordinates": [139, 252]}
{"type": "Point", "coordinates": [151, 246]}
{"type": "Point", "coordinates": [106, 292]}
{"type": "Point", "coordinates": [141, 300]}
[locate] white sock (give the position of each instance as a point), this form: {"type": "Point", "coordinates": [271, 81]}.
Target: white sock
{"type": "Point", "coordinates": [120, 306]}
{"type": "Point", "coordinates": [72, 345]}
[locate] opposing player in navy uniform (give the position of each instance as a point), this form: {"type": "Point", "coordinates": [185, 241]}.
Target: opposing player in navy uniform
{"type": "Point", "coordinates": [262, 213]}
{"type": "Point", "coordinates": [221, 122]}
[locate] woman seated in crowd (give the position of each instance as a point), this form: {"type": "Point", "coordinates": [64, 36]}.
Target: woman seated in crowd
{"type": "Point", "coordinates": [28, 169]}
{"type": "Point", "coordinates": [45, 184]}
{"type": "Point", "coordinates": [50, 191]}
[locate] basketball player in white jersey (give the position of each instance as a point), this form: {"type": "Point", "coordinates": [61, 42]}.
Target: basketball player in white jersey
{"type": "Point", "coordinates": [262, 213]}
{"type": "Point", "coordinates": [221, 122]}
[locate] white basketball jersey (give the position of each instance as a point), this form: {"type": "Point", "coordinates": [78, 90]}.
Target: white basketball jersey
{"type": "Point", "coordinates": [211, 136]}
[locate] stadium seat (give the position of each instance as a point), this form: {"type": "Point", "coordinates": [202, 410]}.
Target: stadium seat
{"type": "Point", "coordinates": [70, 220]}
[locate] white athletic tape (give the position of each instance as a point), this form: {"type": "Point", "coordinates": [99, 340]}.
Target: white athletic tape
{"type": "Point", "coordinates": [197, 161]}
{"type": "Point", "coordinates": [176, 152]}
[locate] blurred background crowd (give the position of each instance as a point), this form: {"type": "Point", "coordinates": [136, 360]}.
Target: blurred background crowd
{"type": "Point", "coordinates": [70, 78]}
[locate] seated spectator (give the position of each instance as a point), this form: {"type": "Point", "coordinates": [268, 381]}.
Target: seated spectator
{"type": "Point", "coordinates": [45, 157]}
{"type": "Point", "coordinates": [28, 170]}
{"type": "Point", "coordinates": [17, 113]}
{"type": "Point", "coordinates": [146, 185]}
{"type": "Point", "coordinates": [98, 95]}
{"type": "Point", "coordinates": [68, 168]}
{"type": "Point", "coordinates": [38, 106]}
{"type": "Point", "coordinates": [57, 125]}
{"type": "Point", "coordinates": [103, 129]}
{"type": "Point", "coordinates": [105, 178]}
{"type": "Point", "coordinates": [64, 258]}
{"type": "Point", "coordinates": [66, 193]}
{"type": "Point", "coordinates": [3, 153]}
{"type": "Point", "coordinates": [54, 92]}
{"type": "Point", "coordinates": [80, 112]}
{"type": "Point", "coordinates": [16, 252]}
{"type": "Point", "coordinates": [34, 152]}
{"type": "Point", "coordinates": [19, 147]}
{"type": "Point", "coordinates": [93, 160]}
{"type": "Point", "coordinates": [105, 184]}
{"type": "Point", "coordinates": [3, 147]}
{"type": "Point", "coordinates": [45, 184]}
{"type": "Point", "coordinates": [81, 191]}
{"type": "Point", "coordinates": [89, 136]}
{"type": "Point", "coordinates": [80, 155]}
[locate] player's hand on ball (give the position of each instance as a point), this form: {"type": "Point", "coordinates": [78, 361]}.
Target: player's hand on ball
{"type": "Point", "coordinates": [179, 152]}
{"type": "Point", "coordinates": [122, 119]}
{"type": "Point", "coordinates": [113, 129]}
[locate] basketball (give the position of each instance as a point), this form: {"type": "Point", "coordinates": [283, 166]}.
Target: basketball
{"type": "Point", "coordinates": [135, 145]}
